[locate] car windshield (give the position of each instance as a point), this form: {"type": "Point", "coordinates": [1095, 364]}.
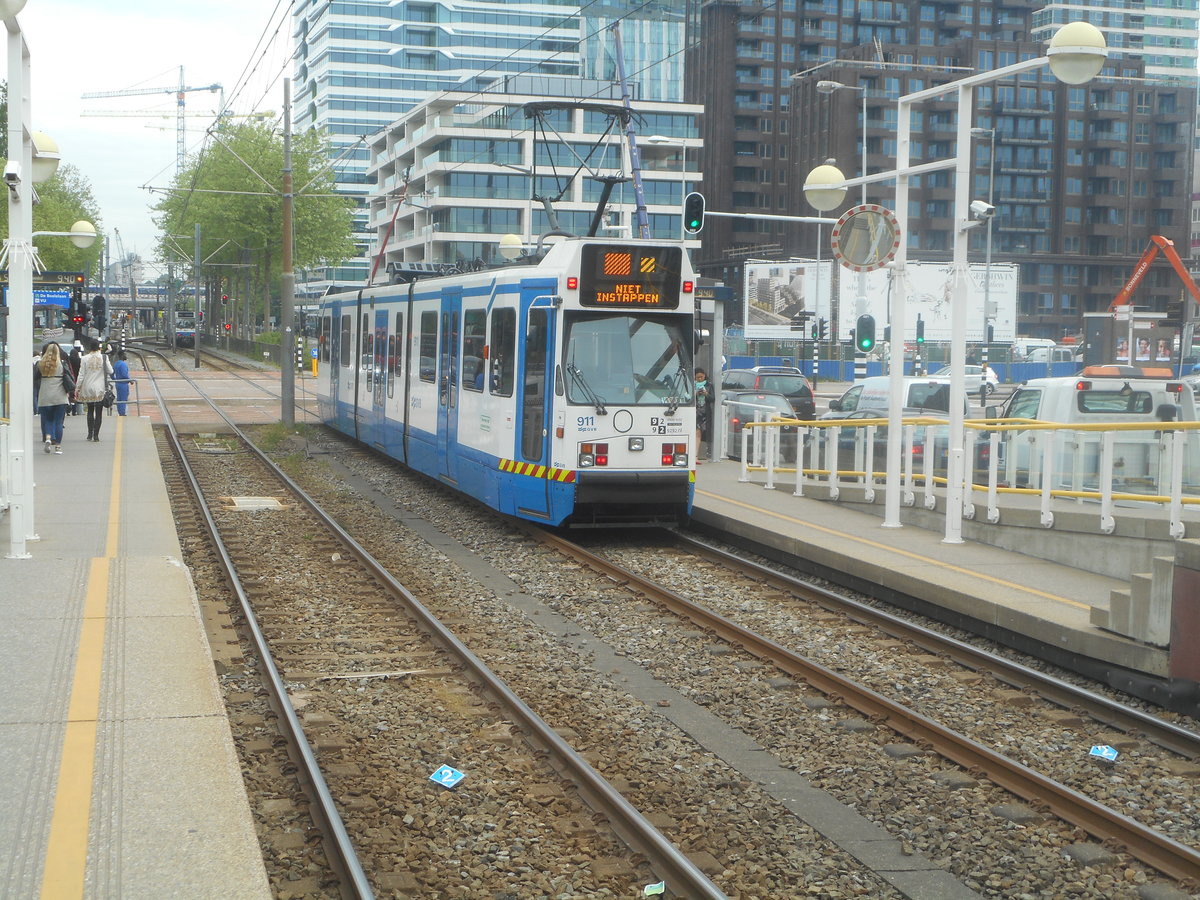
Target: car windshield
{"type": "Point", "coordinates": [785, 384]}
{"type": "Point", "coordinates": [634, 360]}
{"type": "Point", "coordinates": [768, 404]}
{"type": "Point", "coordinates": [930, 396]}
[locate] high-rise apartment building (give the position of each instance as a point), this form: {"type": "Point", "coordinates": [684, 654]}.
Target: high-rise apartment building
{"type": "Point", "coordinates": [1080, 176]}
{"type": "Point", "coordinates": [359, 66]}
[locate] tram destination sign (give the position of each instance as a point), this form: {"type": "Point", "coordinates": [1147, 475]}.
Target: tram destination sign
{"type": "Point", "coordinates": [629, 276]}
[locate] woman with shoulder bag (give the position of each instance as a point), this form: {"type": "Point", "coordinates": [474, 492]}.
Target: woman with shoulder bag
{"type": "Point", "coordinates": [94, 372]}
{"type": "Point", "coordinates": [52, 385]}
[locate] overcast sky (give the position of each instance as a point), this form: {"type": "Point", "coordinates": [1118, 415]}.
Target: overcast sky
{"type": "Point", "coordinates": [80, 46]}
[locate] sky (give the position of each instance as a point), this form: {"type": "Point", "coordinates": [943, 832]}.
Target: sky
{"type": "Point", "coordinates": [82, 46]}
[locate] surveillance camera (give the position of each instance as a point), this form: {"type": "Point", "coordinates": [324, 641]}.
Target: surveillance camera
{"type": "Point", "coordinates": [12, 174]}
{"type": "Point", "coordinates": [982, 210]}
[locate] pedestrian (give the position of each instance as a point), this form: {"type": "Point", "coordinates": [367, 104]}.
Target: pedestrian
{"type": "Point", "coordinates": [121, 378]}
{"type": "Point", "coordinates": [73, 364]}
{"type": "Point", "coordinates": [703, 410]}
{"type": "Point", "coordinates": [53, 386]}
{"type": "Point", "coordinates": [94, 372]}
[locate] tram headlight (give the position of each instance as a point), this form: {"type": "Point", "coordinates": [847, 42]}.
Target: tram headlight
{"type": "Point", "coordinates": [675, 455]}
{"type": "Point", "coordinates": [593, 455]}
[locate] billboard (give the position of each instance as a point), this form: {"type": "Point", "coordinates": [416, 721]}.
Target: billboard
{"type": "Point", "coordinates": [931, 296]}
{"type": "Point", "coordinates": [775, 292]}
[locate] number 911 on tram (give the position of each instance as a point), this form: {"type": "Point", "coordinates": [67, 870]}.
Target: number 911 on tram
{"type": "Point", "coordinates": [559, 391]}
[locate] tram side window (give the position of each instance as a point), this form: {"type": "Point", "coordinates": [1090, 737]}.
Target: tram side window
{"type": "Point", "coordinates": [346, 349]}
{"type": "Point", "coordinates": [504, 351]}
{"type": "Point", "coordinates": [323, 340]}
{"type": "Point", "coordinates": [474, 336]}
{"type": "Point", "coordinates": [398, 360]}
{"type": "Point", "coordinates": [429, 325]}
{"type": "Point", "coordinates": [391, 366]}
{"type": "Point", "coordinates": [367, 362]}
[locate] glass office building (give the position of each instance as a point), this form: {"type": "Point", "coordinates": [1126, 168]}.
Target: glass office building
{"type": "Point", "coordinates": [359, 65]}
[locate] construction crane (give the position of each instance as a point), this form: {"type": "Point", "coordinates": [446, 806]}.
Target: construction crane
{"type": "Point", "coordinates": [1158, 244]}
{"type": "Point", "coordinates": [179, 92]}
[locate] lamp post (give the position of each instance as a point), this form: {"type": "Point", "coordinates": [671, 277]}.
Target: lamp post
{"type": "Point", "coordinates": [860, 303]}
{"type": "Point", "coordinates": [987, 265]}
{"type": "Point", "coordinates": [824, 191]}
{"type": "Point", "coordinates": [682, 145]}
{"type": "Point", "coordinates": [1076, 55]}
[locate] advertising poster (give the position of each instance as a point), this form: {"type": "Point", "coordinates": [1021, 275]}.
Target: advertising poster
{"type": "Point", "coordinates": [1151, 347]}
{"type": "Point", "coordinates": [931, 296]}
{"type": "Point", "coordinates": [776, 291]}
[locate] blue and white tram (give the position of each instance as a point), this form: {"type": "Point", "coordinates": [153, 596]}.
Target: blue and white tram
{"type": "Point", "coordinates": [559, 392]}
{"type": "Point", "coordinates": [185, 328]}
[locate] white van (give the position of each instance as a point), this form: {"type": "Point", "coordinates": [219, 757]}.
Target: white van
{"type": "Point", "coordinates": [1023, 346]}
{"type": "Point", "coordinates": [922, 394]}
{"type": "Point", "coordinates": [1098, 395]}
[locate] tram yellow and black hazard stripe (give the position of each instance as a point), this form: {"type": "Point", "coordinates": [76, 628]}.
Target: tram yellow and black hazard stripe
{"type": "Point", "coordinates": [535, 471]}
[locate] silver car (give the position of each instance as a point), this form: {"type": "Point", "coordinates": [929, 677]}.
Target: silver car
{"type": "Point", "coordinates": [742, 407]}
{"type": "Point", "coordinates": [972, 376]}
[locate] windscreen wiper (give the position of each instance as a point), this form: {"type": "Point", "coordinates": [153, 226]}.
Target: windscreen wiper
{"type": "Point", "coordinates": [592, 396]}
{"type": "Point", "coordinates": [677, 385]}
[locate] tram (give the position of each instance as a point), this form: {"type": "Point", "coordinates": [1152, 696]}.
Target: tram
{"type": "Point", "coordinates": [557, 389]}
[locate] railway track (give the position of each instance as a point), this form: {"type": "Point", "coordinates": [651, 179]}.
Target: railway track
{"type": "Point", "coordinates": [1147, 844]}
{"type": "Point", "coordinates": [602, 619]}
{"type": "Point", "coordinates": [354, 628]}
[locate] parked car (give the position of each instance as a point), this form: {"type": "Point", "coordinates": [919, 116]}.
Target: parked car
{"type": "Point", "coordinates": [972, 376]}
{"type": "Point", "coordinates": [923, 393]}
{"type": "Point", "coordinates": [791, 384]}
{"type": "Point", "coordinates": [1052, 354]}
{"type": "Point", "coordinates": [741, 407]}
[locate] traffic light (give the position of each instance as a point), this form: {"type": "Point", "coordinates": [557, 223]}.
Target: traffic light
{"type": "Point", "coordinates": [229, 326]}
{"type": "Point", "coordinates": [77, 292]}
{"type": "Point", "coordinates": [887, 334]}
{"type": "Point", "coordinates": [224, 299]}
{"type": "Point", "coordinates": [920, 330]}
{"type": "Point", "coordinates": [816, 331]}
{"type": "Point", "coordinates": [693, 212]}
{"type": "Point", "coordinates": [991, 333]}
{"type": "Point", "coordinates": [864, 334]}
{"type": "Point", "coordinates": [99, 304]}
{"type": "Point", "coordinates": [1174, 310]}
{"type": "Point", "coordinates": [823, 330]}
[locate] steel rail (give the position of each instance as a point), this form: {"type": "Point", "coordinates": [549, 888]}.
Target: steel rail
{"type": "Point", "coordinates": [668, 861]}
{"type": "Point", "coordinates": [1168, 856]}
{"type": "Point", "coordinates": [339, 849]}
{"type": "Point", "coordinates": [1166, 735]}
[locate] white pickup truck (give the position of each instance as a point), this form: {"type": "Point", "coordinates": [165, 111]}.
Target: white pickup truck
{"type": "Point", "coordinates": [1099, 396]}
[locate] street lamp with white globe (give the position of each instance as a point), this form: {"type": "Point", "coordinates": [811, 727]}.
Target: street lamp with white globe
{"type": "Point", "coordinates": [1076, 54]}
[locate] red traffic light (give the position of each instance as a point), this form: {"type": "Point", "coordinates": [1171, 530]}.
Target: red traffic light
{"type": "Point", "coordinates": [76, 320]}
{"type": "Point", "coordinates": [228, 326]}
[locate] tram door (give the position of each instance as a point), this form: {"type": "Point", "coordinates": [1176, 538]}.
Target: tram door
{"type": "Point", "coordinates": [380, 371]}
{"type": "Point", "coordinates": [333, 366]}
{"type": "Point", "coordinates": [536, 385]}
{"type": "Point", "coordinates": [448, 387]}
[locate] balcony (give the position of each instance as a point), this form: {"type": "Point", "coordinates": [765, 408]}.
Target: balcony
{"type": "Point", "coordinates": [1022, 197]}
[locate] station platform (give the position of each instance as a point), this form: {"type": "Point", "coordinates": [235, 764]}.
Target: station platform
{"type": "Point", "coordinates": [1043, 603]}
{"type": "Point", "coordinates": [120, 776]}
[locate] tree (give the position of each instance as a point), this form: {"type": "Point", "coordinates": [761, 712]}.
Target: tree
{"type": "Point", "coordinates": [62, 201]}
{"type": "Point", "coordinates": [231, 189]}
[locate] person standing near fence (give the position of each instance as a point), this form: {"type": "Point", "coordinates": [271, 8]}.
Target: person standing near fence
{"type": "Point", "coordinates": [94, 372]}
{"type": "Point", "coordinates": [121, 381]}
